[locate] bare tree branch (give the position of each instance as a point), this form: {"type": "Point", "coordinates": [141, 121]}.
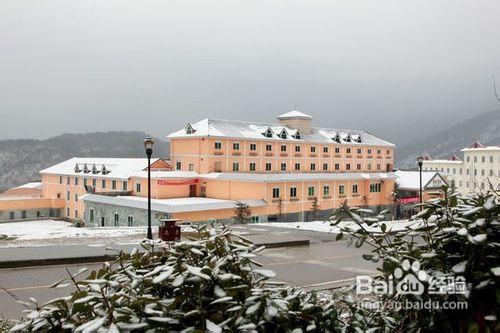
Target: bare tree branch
{"type": "Point", "coordinates": [495, 92]}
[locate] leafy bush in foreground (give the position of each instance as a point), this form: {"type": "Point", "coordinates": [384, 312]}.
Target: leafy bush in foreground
{"type": "Point", "coordinates": [195, 286]}
{"type": "Point", "coordinates": [451, 236]}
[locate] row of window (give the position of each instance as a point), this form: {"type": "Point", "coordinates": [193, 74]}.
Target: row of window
{"type": "Point", "coordinates": [311, 190]}
{"type": "Point", "coordinates": [312, 167]}
{"type": "Point", "coordinates": [283, 148]}
{"type": "Point", "coordinates": [491, 173]}
{"type": "Point", "coordinates": [483, 159]}
{"type": "Point", "coordinates": [103, 182]}
{"type": "Point", "coordinates": [116, 219]}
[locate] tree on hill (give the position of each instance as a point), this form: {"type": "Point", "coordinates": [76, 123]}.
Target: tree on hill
{"type": "Point", "coordinates": [242, 212]}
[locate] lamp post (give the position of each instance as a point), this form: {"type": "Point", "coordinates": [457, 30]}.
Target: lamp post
{"type": "Point", "coordinates": [420, 161]}
{"type": "Point", "coordinates": [148, 145]}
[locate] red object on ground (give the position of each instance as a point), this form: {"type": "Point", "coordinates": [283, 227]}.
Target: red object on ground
{"type": "Point", "coordinates": [409, 200]}
{"type": "Point", "coordinates": [168, 231]}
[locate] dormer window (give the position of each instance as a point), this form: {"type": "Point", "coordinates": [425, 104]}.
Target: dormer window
{"type": "Point", "coordinates": [298, 135]}
{"type": "Point", "coordinates": [348, 138]}
{"type": "Point", "coordinates": [336, 138]}
{"type": "Point", "coordinates": [268, 133]}
{"type": "Point", "coordinates": [190, 129]}
{"type": "Point", "coordinates": [104, 170]}
{"type": "Point", "coordinates": [94, 170]}
{"type": "Point", "coordinates": [86, 168]}
{"type": "Point", "coordinates": [358, 138]}
{"type": "Point", "coordinates": [77, 169]}
{"type": "Point", "coordinates": [283, 134]}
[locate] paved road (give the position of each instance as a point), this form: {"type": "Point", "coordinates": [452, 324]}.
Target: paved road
{"type": "Point", "coordinates": [323, 264]}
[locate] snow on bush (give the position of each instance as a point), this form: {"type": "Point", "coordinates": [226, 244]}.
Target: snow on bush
{"type": "Point", "coordinates": [212, 284]}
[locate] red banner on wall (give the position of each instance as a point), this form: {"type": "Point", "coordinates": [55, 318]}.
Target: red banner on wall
{"type": "Point", "coordinates": [178, 182]}
{"type": "Point", "coordinates": [409, 200]}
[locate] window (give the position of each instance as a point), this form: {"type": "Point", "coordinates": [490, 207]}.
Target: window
{"type": "Point", "coordinates": [252, 166]}
{"type": "Point", "coordinates": [313, 149]}
{"type": "Point", "coordinates": [84, 181]}
{"type": "Point", "coordinates": [178, 165]}
{"type": "Point", "coordinates": [348, 166]}
{"type": "Point", "coordinates": [23, 214]}
{"type": "Point", "coordinates": [68, 180]}
{"type": "Point", "coordinates": [491, 159]}
{"type": "Point", "coordinates": [268, 166]}
{"type": "Point", "coordinates": [124, 186]}
{"type": "Point", "coordinates": [348, 150]}
{"type": "Point", "coordinates": [191, 167]}
{"type": "Point", "coordinates": [326, 190]}
{"type": "Point", "coordinates": [91, 215]}
{"type": "Point", "coordinates": [388, 152]}
{"type": "Point", "coordinates": [138, 187]}
{"type": "Point", "coordinates": [254, 219]}
{"type": "Point", "coordinates": [376, 187]}
{"type": "Point", "coordinates": [337, 166]}
{"type": "Point", "coordinates": [355, 189]}
{"type": "Point", "coordinates": [218, 145]}
{"type": "Point", "coordinates": [313, 167]}
{"type": "Point", "coordinates": [482, 172]}
{"type": "Point", "coordinates": [116, 219]}
{"type": "Point", "coordinates": [283, 166]}
{"type": "Point", "coordinates": [268, 133]}
{"type": "Point", "coordinates": [310, 191]}
{"type": "Point", "coordinates": [325, 166]}
{"type": "Point", "coordinates": [369, 166]}
{"type": "Point", "coordinates": [76, 181]}
{"type": "Point", "coordinates": [58, 195]}
{"type": "Point", "coordinates": [276, 192]}
{"type": "Point", "coordinates": [283, 134]}
{"type": "Point", "coordinates": [68, 195]}
{"type": "Point", "coordinates": [76, 213]}
{"type": "Point", "coordinates": [236, 167]}
{"type": "Point", "coordinates": [38, 213]}
{"type": "Point", "coordinates": [297, 149]}
{"type": "Point", "coordinates": [189, 129]}
{"type": "Point", "coordinates": [236, 146]}
{"type": "Point", "coordinates": [130, 221]}
{"type": "Point", "coordinates": [253, 146]}
{"type": "Point", "coordinates": [369, 151]}
{"type": "Point", "coordinates": [341, 189]}
{"type": "Point", "coordinates": [67, 212]}
{"type": "Point", "coordinates": [103, 183]}
{"type": "Point", "coordinates": [293, 192]}
{"type": "Point", "coordinates": [12, 215]}
{"type": "Point", "coordinates": [483, 159]}
{"type": "Point", "coordinates": [297, 135]}
{"type": "Point", "coordinates": [283, 147]}
{"type": "Point", "coordinates": [378, 166]}
{"type": "Point", "coordinates": [113, 184]}
{"type": "Point", "coordinates": [358, 166]}
{"type": "Point", "coordinates": [468, 158]}
{"type": "Point", "coordinates": [337, 150]}
{"type": "Point", "coordinates": [60, 180]}
{"type": "Point", "coordinates": [76, 197]}
{"type": "Point", "coordinates": [269, 147]}
{"type": "Point", "coordinates": [94, 182]}
{"type": "Point", "coordinates": [325, 149]}
{"type": "Point", "coordinates": [359, 152]}
{"type": "Point", "coordinates": [297, 166]}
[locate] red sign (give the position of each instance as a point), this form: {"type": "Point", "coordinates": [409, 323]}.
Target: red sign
{"type": "Point", "coordinates": [178, 182]}
{"type": "Point", "coordinates": [409, 200]}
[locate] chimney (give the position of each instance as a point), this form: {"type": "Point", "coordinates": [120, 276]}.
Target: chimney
{"type": "Point", "coordinates": [296, 120]}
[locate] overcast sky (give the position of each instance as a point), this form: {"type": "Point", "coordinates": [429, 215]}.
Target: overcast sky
{"type": "Point", "coordinates": [384, 66]}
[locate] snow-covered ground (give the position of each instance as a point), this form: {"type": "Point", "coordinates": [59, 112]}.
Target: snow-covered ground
{"type": "Point", "coordinates": [44, 232]}
{"type": "Point", "coordinates": [322, 226]}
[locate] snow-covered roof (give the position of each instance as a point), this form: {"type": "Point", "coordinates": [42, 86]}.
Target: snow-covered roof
{"type": "Point", "coordinates": [33, 185]}
{"type": "Point", "coordinates": [250, 130]}
{"type": "Point", "coordinates": [177, 205]}
{"type": "Point", "coordinates": [294, 114]}
{"type": "Point", "coordinates": [166, 174]}
{"type": "Point", "coordinates": [116, 168]}
{"type": "Point", "coordinates": [442, 161]}
{"type": "Point", "coordinates": [483, 148]}
{"type": "Point", "coordinates": [291, 177]}
{"type": "Point", "coordinates": [410, 180]}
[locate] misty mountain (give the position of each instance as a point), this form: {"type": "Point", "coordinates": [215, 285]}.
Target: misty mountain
{"type": "Point", "coordinates": [21, 160]}
{"type": "Point", "coordinates": [484, 128]}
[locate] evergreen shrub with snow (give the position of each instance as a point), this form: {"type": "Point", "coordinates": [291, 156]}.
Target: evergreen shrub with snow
{"type": "Point", "coordinates": [211, 284]}
{"type": "Point", "coordinates": [451, 236]}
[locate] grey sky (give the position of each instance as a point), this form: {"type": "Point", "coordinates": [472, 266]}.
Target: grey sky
{"type": "Point", "coordinates": [80, 66]}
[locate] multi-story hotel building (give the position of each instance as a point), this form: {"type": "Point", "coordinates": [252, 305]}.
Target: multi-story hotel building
{"type": "Point", "coordinates": [279, 170]}
{"type": "Point", "coordinates": [478, 171]}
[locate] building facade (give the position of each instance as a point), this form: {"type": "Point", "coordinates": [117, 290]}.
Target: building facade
{"type": "Point", "coordinates": [478, 171]}
{"type": "Point", "coordinates": [279, 170]}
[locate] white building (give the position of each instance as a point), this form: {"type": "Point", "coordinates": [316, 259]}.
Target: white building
{"type": "Point", "coordinates": [478, 171]}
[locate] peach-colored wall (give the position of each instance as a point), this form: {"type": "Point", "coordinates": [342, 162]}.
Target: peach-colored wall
{"type": "Point", "coordinates": [202, 155]}
{"type": "Point", "coordinates": [31, 203]}
{"type": "Point", "coordinates": [23, 191]}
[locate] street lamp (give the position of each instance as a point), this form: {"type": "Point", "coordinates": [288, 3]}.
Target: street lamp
{"type": "Point", "coordinates": [148, 145]}
{"type": "Point", "coordinates": [420, 161]}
